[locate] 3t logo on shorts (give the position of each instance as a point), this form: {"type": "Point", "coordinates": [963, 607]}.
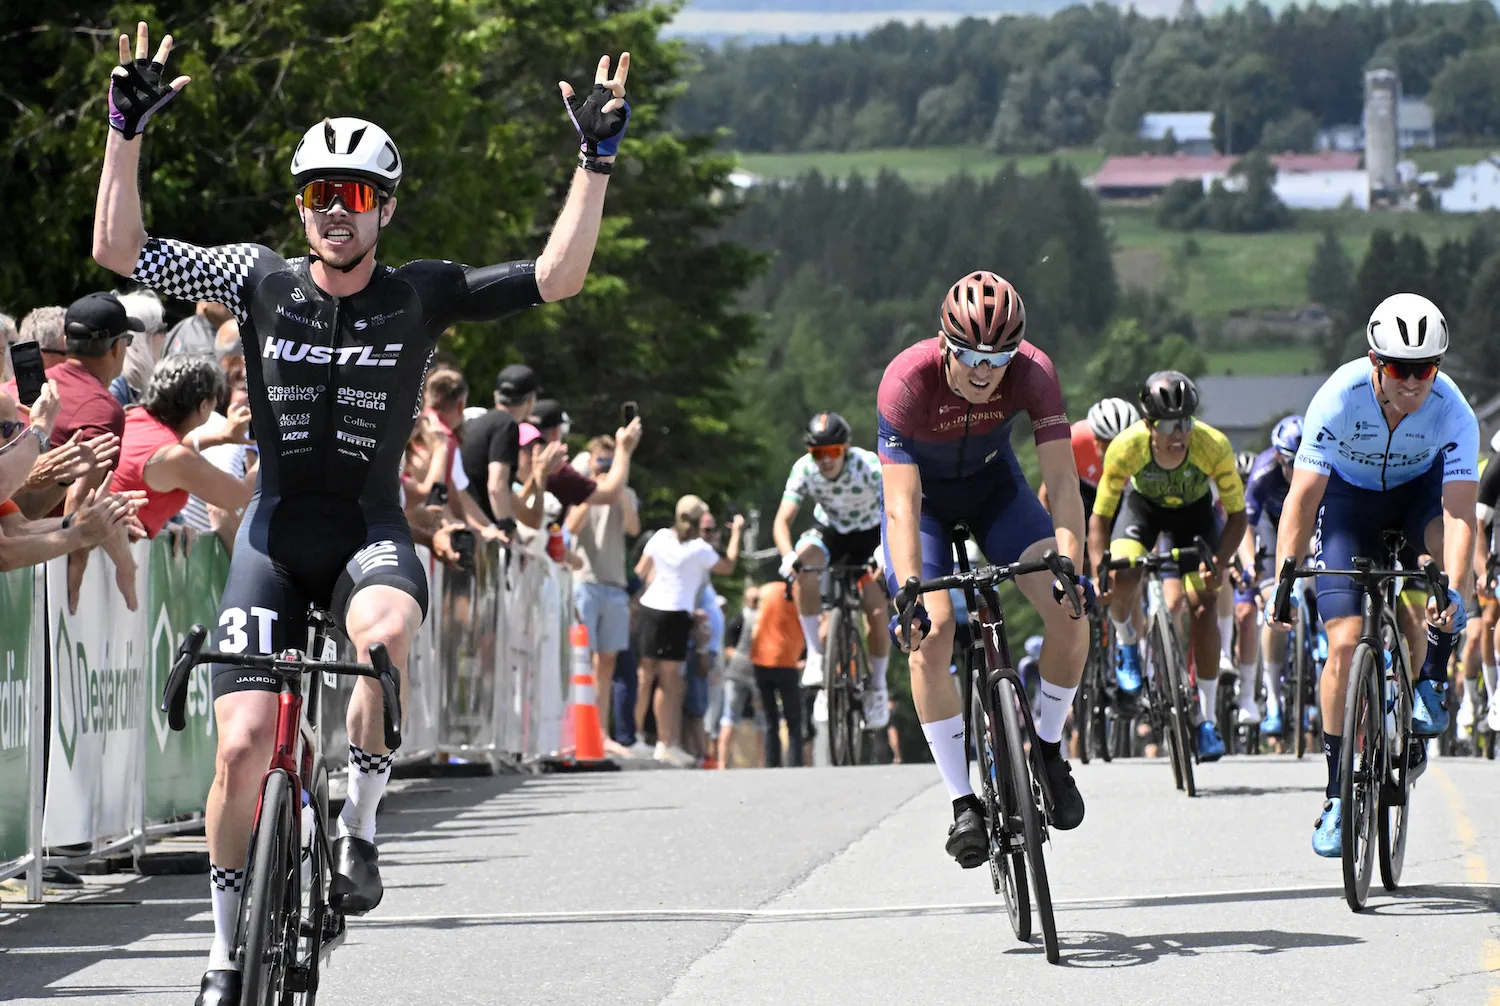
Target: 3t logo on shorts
{"type": "Point", "coordinates": [376, 556]}
{"type": "Point", "coordinates": [233, 622]}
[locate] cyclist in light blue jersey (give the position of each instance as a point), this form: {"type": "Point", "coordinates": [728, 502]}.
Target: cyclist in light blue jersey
{"type": "Point", "coordinates": [1389, 443]}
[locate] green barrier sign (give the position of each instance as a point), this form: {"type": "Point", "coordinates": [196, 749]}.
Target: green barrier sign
{"type": "Point", "coordinates": [184, 589]}
{"type": "Point", "coordinates": [15, 710]}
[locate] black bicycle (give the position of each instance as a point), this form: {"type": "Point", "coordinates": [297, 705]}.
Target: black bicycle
{"type": "Point", "coordinates": [1379, 744]}
{"type": "Point", "coordinates": [998, 728]}
{"type": "Point", "coordinates": [846, 662]}
{"type": "Point", "coordinates": [1095, 719]}
{"type": "Point", "coordinates": [1169, 696]}
{"type": "Point", "coordinates": [1239, 738]}
{"type": "Point", "coordinates": [285, 932]}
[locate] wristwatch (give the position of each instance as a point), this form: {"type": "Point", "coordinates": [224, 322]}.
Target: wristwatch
{"type": "Point", "coordinates": [44, 443]}
{"type": "Point", "coordinates": [595, 165]}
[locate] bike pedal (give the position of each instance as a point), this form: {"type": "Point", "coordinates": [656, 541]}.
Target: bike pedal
{"type": "Point", "coordinates": [296, 979]}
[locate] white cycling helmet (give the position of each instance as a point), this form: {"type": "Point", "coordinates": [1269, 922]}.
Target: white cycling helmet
{"type": "Point", "coordinates": [1109, 417]}
{"type": "Point", "coordinates": [1407, 326]}
{"type": "Point", "coordinates": [348, 148]}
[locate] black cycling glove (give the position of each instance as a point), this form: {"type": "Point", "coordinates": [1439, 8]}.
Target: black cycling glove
{"type": "Point", "coordinates": [599, 132]}
{"type": "Point", "coordinates": [135, 95]}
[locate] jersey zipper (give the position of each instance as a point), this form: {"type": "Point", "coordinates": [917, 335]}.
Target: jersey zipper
{"type": "Point", "coordinates": [333, 394]}
{"type": "Point", "coordinates": [1390, 436]}
{"type": "Point", "coordinates": [963, 441]}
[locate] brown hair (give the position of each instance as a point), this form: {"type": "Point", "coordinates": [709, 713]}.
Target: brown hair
{"type": "Point", "coordinates": [604, 443]}
{"type": "Point", "coordinates": [689, 514]}
{"type": "Point", "coordinates": [446, 389]}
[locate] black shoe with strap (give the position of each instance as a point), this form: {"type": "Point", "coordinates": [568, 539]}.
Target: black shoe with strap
{"type": "Point", "coordinates": [219, 988]}
{"type": "Point", "coordinates": [356, 886]}
{"type": "Point", "coordinates": [1067, 802]}
{"type": "Point", "coordinates": [968, 837]}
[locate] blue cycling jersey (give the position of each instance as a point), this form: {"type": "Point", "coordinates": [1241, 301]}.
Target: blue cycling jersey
{"type": "Point", "coordinates": [1345, 432]}
{"type": "Point", "coordinates": [1265, 489]}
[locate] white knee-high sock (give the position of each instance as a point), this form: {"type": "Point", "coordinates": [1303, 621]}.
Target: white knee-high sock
{"type": "Point", "coordinates": [1053, 703]}
{"type": "Point", "coordinates": [1247, 686]}
{"type": "Point", "coordinates": [878, 666]}
{"type": "Point", "coordinates": [946, 739]}
{"type": "Point", "coordinates": [225, 886]}
{"type": "Point", "coordinates": [1208, 694]}
{"type": "Point", "coordinates": [1226, 635]}
{"type": "Point", "coordinates": [810, 632]}
{"type": "Point", "coordinates": [368, 774]}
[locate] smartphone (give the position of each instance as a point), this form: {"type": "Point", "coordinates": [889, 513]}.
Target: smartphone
{"type": "Point", "coordinates": [438, 495]}
{"type": "Point", "coordinates": [628, 412]}
{"type": "Point", "coordinates": [462, 540]}
{"type": "Point", "coordinates": [26, 361]}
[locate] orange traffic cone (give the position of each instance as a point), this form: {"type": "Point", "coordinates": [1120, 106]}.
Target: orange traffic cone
{"type": "Point", "coordinates": [583, 714]}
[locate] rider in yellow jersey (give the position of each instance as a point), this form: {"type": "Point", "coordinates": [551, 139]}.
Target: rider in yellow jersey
{"type": "Point", "coordinates": [1159, 477]}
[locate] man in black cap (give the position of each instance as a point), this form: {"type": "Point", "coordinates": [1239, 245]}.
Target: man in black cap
{"type": "Point", "coordinates": [492, 444]}
{"type": "Point", "coordinates": [551, 419]}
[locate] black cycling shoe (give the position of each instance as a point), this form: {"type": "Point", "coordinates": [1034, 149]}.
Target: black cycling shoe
{"type": "Point", "coordinates": [356, 886]}
{"type": "Point", "coordinates": [219, 988]}
{"type": "Point", "coordinates": [1067, 802]}
{"type": "Point", "coordinates": [968, 837]}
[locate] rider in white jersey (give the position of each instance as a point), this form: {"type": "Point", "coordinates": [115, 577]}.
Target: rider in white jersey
{"type": "Point", "coordinates": [844, 483]}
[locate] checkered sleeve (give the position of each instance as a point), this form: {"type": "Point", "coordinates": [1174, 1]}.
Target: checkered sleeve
{"type": "Point", "coordinates": [224, 274]}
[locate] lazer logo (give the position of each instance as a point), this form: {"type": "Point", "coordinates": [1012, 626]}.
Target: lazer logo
{"type": "Point", "coordinates": [349, 438]}
{"type": "Point", "coordinates": [376, 556]}
{"type": "Point", "coordinates": [373, 400]}
{"type": "Point", "coordinates": [358, 356]}
{"type": "Point", "coordinates": [293, 392]}
{"type": "Point", "coordinates": [363, 424]}
{"type": "Point", "coordinates": [316, 323]}
{"type": "Point", "coordinates": [295, 418]}
{"type": "Point", "coordinates": [291, 435]}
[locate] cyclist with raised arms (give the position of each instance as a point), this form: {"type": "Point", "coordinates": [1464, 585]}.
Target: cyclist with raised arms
{"type": "Point", "coordinates": [1389, 444]}
{"type": "Point", "coordinates": [1265, 492]}
{"type": "Point", "coordinates": [336, 346]}
{"type": "Point", "coordinates": [946, 406]}
{"type": "Point", "coordinates": [844, 484]}
{"type": "Point", "coordinates": [1160, 477]}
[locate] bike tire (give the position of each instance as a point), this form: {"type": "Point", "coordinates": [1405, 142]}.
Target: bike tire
{"type": "Point", "coordinates": [1007, 869]}
{"type": "Point", "coordinates": [1360, 773]}
{"type": "Point", "coordinates": [1301, 670]}
{"type": "Point", "coordinates": [1394, 807]}
{"type": "Point", "coordinates": [320, 856]}
{"type": "Point", "coordinates": [1182, 716]}
{"type": "Point", "coordinates": [268, 916]}
{"type": "Point", "coordinates": [1225, 710]}
{"type": "Point", "coordinates": [835, 684]}
{"type": "Point", "coordinates": [1029, 803]}
{"type": "Point", "coordinates": [1159, 703]}
{"type": "Point", "coordinates": [1083, 712]}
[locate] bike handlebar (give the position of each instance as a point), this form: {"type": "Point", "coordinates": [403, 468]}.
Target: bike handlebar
{"type": "Point", "coordinates": [1198, 552]}
{"type": "Point", "coordinates": [1060, 566]}
{"type": "Point", "coordinates": [191, 653]}
{"type": "Point", "coordinates": [1364, 573]}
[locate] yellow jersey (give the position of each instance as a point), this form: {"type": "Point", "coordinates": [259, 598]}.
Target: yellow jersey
{"type": "Point", "coordinates": [1209, 462]}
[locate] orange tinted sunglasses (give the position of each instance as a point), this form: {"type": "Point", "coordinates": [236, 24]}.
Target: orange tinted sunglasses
{"type": "Point", "coordinates": [357, 197]}
{"type": "Point", "coordinates": [828, 452]}
{"type": "Point", "coordinates": [1400, 370]}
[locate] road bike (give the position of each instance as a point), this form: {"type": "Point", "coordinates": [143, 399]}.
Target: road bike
{"type": "Point", "coordinates": [287, 927]}
{"type": "Point", "coordinates": [1170, 699]}
{"type": "Point", "coordinates": [1095, 718]}
{"type": "Point", "coordinates": [1239, 738]}
{"type": "Point", "coordinates": [999, 730]}
{"type": "Point", "coordinates": [846, 662]}
{"type": "Point", "coordinates": [1379, 744]}
{"type": "Point", "coordinates": [1306, 646]}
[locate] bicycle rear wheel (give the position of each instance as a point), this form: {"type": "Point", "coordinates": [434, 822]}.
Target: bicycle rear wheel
{"type": "Point", "coordinates": [1007, 868]}
{"type": "Point", "coordinates": [1361, 769]}
{"type": "Point", "coordinates": [1029, 804]}
{"type": "Point", "coordinates": [267, 938]}
{"type": "Point", "coordinates": [836, 681]}
{"type": "Point", "coordinates": [1394, 808]}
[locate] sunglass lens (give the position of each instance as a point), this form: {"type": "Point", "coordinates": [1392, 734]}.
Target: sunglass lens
{"type": "Point", "coordinates": [357, 197]}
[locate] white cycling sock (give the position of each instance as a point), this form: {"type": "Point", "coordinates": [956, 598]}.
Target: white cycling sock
{"type": "Point", "coordinates": [225, 885]}
{"type": "Point", "coordinates": [810, 632]}
{"type": "Point", "coordinates": [1226, 635]}
{"type": "Point", "coordinates": [368, 774]}
{"type": "Point", "coordinates": [1247, 686]}
{"type": "Point", "coordinates": [1273, 694]}
{"type": "Point", "coordinates": [946, 739]}
{"type": "Point", "coordinates": [1053, 703]}
{"type": "Point", "coordinates": [1490, 674]}
{"type": "Point", "coordinates": [1125, 631]}
{"type": "Point", "coordinates": [1208, 694]}
{"type": "Point", "coordinates": [878, 667]}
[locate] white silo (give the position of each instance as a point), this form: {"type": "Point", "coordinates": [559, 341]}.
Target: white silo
{"type": "Point", "coordinates": [1382, 151]}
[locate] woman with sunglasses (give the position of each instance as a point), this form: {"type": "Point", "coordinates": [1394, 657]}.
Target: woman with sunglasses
{"type": "Point", "coordinates": [843, 482]}
{"type": "Point", "coordinates": [945, 411]}
{"type": "Point", "coordinates": [336, 349]}
{"type": "Point", "coordinates": [1391, 445]}
{"type": "Point", "coordinates": [1160, 480]}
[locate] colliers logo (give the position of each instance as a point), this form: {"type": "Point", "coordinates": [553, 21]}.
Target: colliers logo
{"type": "Point", "coordinates": [359, 356]}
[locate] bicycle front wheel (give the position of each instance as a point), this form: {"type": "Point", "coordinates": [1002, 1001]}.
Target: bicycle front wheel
{"type": "Point", "coordinates": [1394, 807]}
{"type": "Point", "coordinates": [268, 911]}
{"type": "Point", "coordinates": [1301, 686]}
{"type": "Point", "coordinates": [1361, 770]}
{"type": "Point", "coordinates": [1030, 806]}
{"type": "Point", "coordinates": [1007, 868]}
{"type": "Point", "coordinates": [1159, 702]}
{"type": "Point", "coordinates": [838, 680]}
{"type": "Point", "coordinates": [1175, 670]}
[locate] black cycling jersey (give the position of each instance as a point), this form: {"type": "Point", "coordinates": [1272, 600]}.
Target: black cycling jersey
{"type": "Point", "coordinates": [335, 382]}
{"type": "Point", "coordinates": [335, 385]}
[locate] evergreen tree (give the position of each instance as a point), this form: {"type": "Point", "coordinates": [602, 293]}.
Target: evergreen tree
{"type": "Point", "coordinates": [1331, 273]}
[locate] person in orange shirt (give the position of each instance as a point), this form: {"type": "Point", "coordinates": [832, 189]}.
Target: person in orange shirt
{"type": "Point", "coordinates": [775, 651]}
{"type": "Point", "coordinates": [1106, 420]}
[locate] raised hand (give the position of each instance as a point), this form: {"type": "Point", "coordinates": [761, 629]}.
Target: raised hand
{"type": "Point", "coordinates": [600, 118]}
{"type": "Point", "coordinates": [43, 411]}
{"type": "Point", "coordinates": [136, 90]}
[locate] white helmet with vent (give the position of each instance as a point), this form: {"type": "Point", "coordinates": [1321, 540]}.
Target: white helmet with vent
{"type": "Point", "coordinates": [347, 147]}
{"type": "Point", "coordinates": [1108, 418]}
{"type": "Point", "coordinates": [1407, 326]}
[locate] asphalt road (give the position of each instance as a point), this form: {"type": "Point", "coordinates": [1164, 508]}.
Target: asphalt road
{"type": "Point", "coordinates": [831, 886]}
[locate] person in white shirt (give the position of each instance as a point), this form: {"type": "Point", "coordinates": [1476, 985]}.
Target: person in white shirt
{"type": "Point", "coordinates": [675, 565]}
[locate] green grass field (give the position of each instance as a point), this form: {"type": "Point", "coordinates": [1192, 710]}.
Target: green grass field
{"type": "Point", "coordinates": [919, 166]}
{"type": "Point", "coordinates": [1273, 360]}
